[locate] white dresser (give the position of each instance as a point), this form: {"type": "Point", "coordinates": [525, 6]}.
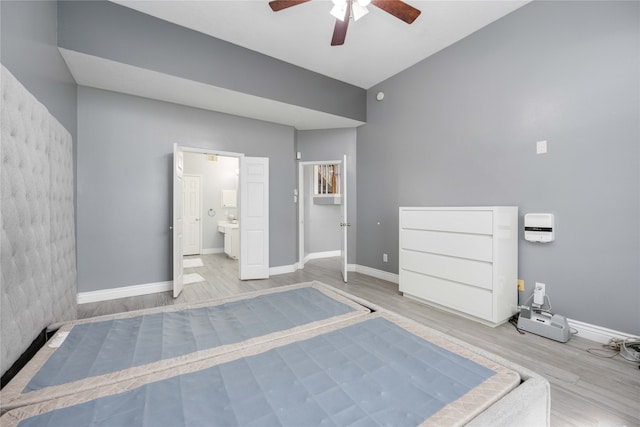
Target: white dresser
{"type": "Point", "coordinates": [461, 259]}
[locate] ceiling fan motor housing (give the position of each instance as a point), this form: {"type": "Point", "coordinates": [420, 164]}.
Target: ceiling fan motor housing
{"type": "Point", "coordinates": [356, 9]}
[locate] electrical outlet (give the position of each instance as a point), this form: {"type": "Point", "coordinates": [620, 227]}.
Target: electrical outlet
{"type": "Point", "coordinates": [385, 258]}
{"type": "Point", "coordinates": [541, 147]}
{"type": "Point", "coordinates": [520, 285]}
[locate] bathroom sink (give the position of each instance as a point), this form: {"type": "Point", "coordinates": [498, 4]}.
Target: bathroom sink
{"type": "Point", "coordinates": [224, 225]}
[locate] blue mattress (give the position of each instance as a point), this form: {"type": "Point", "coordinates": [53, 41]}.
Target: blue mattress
{"type": "Point", "coordinates": [368, 372]}
{"type": "Point", "coordinates": [102, 352]}
{"type": "Point", "coordinates": [99, 348]}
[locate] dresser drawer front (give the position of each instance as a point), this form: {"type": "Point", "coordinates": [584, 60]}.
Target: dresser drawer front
{"type": "Point", "coordinates": [470, 272]}
{"type": "Point", "coordinates": [474, 222]}
{"type": "Point", "coordinates": [467, 299]}
{"type": "Point", "coordinates": [468, 246]}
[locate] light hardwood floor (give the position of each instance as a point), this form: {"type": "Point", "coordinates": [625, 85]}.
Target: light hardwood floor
{"type": "Point", "coordinates": [585, 390]}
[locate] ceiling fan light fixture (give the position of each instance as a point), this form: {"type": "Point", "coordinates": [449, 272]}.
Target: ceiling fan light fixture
{"type": "Point", "coordinates": [358, 10]}
{"type": "Point", "coordinates": [339, 10]}
{"type": "Point", "coordinates": [344, 10]}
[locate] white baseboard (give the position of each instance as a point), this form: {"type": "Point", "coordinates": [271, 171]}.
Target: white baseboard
{"type": "Point", "coordinates": [379, 274]}
{"type": "Point", "coordinates": [209, 251]}
{"type": "Point", "coordinates": [152, 288]}
{"type": "Point", "coordinates": [318, 255]}
{"type": "Point", "coordinates": [596, 333]}
{"type": "Point", "coordinates": [283, 269]}
{"type": "Point", "coordinates": [124, 292]}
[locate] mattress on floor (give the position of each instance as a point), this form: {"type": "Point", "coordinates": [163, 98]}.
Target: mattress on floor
{"type": "Point", "coordinates": [378, 369]}
{"type": "Point", "coordinates": [114, 348]}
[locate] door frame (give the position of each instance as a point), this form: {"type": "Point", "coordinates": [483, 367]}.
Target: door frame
{"type": "Point", "coordinates": [186, 149]}
{"type": "Point", "coordinates": [344, 224]}
{"type": "Point", "coordinates": [176, 221]}
{"type": "Point", "coordinates": [200, 199]}
{"type": "Point", "coordinates": [301, 212]}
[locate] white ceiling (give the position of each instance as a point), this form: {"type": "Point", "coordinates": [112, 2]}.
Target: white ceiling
{"type": "Point", "coordinates": [377, 47]}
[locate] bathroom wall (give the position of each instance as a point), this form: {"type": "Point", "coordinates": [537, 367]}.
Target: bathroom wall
{"type": "Point", "coordinates": [216, 176]}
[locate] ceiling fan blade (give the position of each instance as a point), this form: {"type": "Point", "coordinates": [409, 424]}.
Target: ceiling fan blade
{"type": "Point", "coordinates": [340, 30]}
{"type": "Point", "coordinates": [277, 5]}
{"type": "Point", "coordinates": [399, 9]}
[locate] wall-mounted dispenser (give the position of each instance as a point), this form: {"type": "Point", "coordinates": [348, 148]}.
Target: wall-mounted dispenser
{"type": "Point", "coordinates": [539, 227]}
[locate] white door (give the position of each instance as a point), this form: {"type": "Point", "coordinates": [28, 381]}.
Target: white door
{"type": "Point", "coordinates": [254, 218]}
{"type": "Point", "coordinates": [192, 212]}
{"type": "Point", "coordinates": [178, 169]}
{"type": "Point", "coordinates": [344, 224]}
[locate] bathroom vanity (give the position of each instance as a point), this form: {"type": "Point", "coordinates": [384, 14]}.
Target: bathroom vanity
{"type": "Point", "coordinates": [231, 231]}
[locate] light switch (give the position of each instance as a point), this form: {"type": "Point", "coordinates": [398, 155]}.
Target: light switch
{"type": "Point", "coordinates": [541, 147]}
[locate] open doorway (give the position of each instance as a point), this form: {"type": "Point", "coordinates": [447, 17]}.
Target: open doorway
{"type": "Point", "coordinates": [211, 183]}
{"type": "Point", "coordinates": [322, 212]}
{"type": "Point", "coordinates": [213, 192]}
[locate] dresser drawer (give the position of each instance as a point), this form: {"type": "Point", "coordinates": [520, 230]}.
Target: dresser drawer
{"type": "Point", "coordinates": [474, 222]}
{"type": "Point", "coordinates": [470, 272]}
{"type": "Point", "coordinates": [469, 246]}
{"type": "Point", "coordinates": [466, 299]}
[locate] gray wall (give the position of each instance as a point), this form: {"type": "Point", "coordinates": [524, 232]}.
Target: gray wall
{"type": "Point", "coordinates": [332, 144]}
{"type": "Point", "coordinates": [460, 129]}
{"type": "Point", "coordinates": [125, 177]}
{"type": "Point", "coordinates": [28, 48]}
{"type": "Point", "coordinates": [118, 33]}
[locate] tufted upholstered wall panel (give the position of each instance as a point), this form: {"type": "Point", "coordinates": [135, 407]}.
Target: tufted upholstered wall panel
{"type": "Point", "coordinates": [37, 246]}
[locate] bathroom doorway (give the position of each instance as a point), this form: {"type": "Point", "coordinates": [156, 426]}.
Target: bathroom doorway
{"type": "Point", "coordinates": [210, 199]}
{"type": "Point", "coordinates": [223, 185]}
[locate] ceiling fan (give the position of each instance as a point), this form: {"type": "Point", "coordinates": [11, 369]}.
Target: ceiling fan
{"type": "Point", "coordinates": [356, 9]}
